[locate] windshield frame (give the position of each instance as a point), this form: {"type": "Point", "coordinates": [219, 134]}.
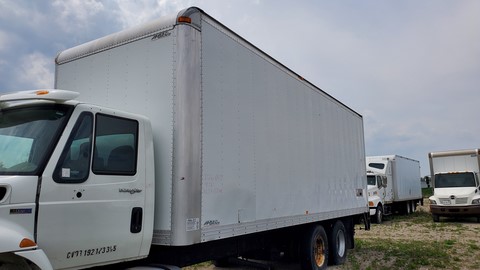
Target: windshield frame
{"type": "Point", "coordinates": [44, 157]}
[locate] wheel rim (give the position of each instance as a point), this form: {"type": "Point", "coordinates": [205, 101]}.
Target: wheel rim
{"type": "Point", "coordinates": [379, 215]}
{"type": "Point", "coordinates": [319, 251]}
{"type": "Point", "coordinates": [340, 243]}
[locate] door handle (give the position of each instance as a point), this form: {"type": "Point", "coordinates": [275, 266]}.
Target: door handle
{"type": "Point", "coordinates": [136, 221]}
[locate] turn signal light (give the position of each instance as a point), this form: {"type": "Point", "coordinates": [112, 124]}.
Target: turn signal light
{"type": "Point", "coordinates": [25, 243]}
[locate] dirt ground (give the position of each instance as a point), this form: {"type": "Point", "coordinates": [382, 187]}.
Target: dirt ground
{"type": "Point", "coordinates": [406, 242]}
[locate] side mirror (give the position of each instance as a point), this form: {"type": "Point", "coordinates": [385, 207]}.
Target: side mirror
{"type": "Point", "coordinates": [384, 181]}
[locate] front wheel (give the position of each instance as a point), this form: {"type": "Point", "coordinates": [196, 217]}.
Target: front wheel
{"type": "Point", "coordinates": [436, 218]}
{"type": "Point", "coordinates": [379, 214]}
{"type": "Point", "coordinates": [314, 255]}
{"type": "Point", "coordinates": [338, 243]}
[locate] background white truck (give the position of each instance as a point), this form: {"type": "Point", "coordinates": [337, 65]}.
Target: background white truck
{"type": "Point", "coordinates": [393, 185]}
{"type": "Point", "coordinates": [455, 176]}
{"type": "Point", "coordinates": [189, 144]}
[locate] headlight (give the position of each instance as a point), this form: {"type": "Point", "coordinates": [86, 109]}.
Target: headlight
{"type": "Point", "coordinates": [476, 201]}
{"type": "Point", "coordinates": [433, 202]}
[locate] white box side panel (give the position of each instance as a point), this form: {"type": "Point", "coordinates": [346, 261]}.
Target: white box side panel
{"type": "Point", "coordinates": [135, 77]}
{"type": "Point", "coordinates": [273, 146]}
{"type": "Point", "coordinates": [407, 179]}
{"type": "Point", "coordinates": [455, 163]}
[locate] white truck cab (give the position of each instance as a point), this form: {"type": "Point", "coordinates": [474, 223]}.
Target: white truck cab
{"type": "Point", "coordinates": [49, 146]}
{"type": "Point", "coordinates": [376, 184]}
{"type": "Point", "coordinates": [456, 184]}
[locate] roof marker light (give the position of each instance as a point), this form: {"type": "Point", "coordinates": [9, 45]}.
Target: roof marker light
{"type": "Point", "coordinates": [184, 19]}
{"type": "Point", "coordinates": [50, 94]}
{"type": "Point", "coordinates": [42, 92]}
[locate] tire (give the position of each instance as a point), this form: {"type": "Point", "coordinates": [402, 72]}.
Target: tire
{"type": "Point", "coordinates": [408, 209]}
{"type": "Point", "coordinates": [338, 243]}
{"type": "Point", "coordinates": [314, 251]}
{"type": "Point", "coordinates": [436, 218]}
{"type": "Point", "coordinates": [223, 262]}
{"type": "Point", "coordinates": [379, 214]}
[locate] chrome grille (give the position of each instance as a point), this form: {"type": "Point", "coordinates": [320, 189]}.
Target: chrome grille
{"type": "Point", "coordinates": [463, 200]}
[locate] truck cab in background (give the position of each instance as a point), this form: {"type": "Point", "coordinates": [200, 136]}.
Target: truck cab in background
{"type": "Point", "coordinates": [393, 185]}
{"type": "Point", "coordinates": [455, 184]}
{"type": "Point", "coordinates": [377, 184]}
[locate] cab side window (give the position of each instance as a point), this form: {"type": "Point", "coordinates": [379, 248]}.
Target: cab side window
{"type": "Point", "coordinates": [115, 147]}
{"type": "Point", "coordinates": [74, 163]}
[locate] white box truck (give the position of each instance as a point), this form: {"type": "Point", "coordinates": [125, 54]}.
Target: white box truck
{"type": "Point", "coordinates": [188, 144]}
{"type": "Point", "coordinates": [393, 185]}
{"type": "Point", "coordinates": [456, 187]}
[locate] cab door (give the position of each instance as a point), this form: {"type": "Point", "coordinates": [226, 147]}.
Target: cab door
{"type": "Point", "coordinates": [93, 191]}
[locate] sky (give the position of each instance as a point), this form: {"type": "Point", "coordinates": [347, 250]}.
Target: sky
{"type": "Point", "coordinates": [411, 68]}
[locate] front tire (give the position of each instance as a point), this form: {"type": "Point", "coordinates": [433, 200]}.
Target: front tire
{"type": "Point", "coordinates": [379, 214]}
{"type": "Point", "coordinates": [338, 243]}
{"type": "Point", "coordinates": [314, 251]}
{"type": "Point", "coordinates": [436, 218]}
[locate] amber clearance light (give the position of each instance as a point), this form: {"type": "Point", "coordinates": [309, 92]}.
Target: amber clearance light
{"type": "Point", "coordinates": [184, 19]}
{"type": "Point", "coordinates": [26, 243]}
{"type": "Point", "coordinates": [41, 92]}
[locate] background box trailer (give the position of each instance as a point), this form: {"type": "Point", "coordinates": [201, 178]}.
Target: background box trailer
{"type": "Point", "coordinates": [242, 153]}
{"type": "Point", "coordinates": [393, 185]}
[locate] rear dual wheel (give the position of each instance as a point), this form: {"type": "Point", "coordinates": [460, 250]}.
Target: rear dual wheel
{"type": "Point", "coordinates": [314, 251]}
{"type": "Point", "coordinates": [320, 248]}
{"type": "Point", "coordinates": [338, 243]}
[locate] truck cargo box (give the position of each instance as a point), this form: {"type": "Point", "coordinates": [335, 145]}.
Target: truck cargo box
{"type": "Point", "coordinates": [242, 143]}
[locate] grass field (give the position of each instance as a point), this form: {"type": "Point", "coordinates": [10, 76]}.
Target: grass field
{"type": "Point", "coordinates": [416, 242]}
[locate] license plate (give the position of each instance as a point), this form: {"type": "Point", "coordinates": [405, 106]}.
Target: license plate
{"type": "Point", "coordinates": [446, 202]}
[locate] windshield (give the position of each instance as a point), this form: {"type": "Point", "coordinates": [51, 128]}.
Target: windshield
{"type": "Point", "coordinates": [371, 180]}
{"type": "Point", "coordinates": [448, 180]}
{"type": "Point", "coordinates": [28, 135]}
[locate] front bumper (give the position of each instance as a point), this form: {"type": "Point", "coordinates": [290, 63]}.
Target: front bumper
{"type": "Point", "coordinates": [468, 210]}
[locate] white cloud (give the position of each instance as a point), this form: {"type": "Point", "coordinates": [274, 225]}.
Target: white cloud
{"type": "Point", "coordinates": [76, 14]}
{"type": "Point", "coordinates": [35, 71]}
{"type": "Point", "coordinates": [131, 13]}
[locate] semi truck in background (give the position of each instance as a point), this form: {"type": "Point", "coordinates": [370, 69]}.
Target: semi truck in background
{"type": "Point", "coordinates": [455, 176]}
{"type": "Point", "coordinates": [189, 144]}
{"type": "Point", "coordinates": [393, 185]}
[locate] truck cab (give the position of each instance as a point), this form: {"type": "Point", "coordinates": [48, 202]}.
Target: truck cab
{"type": "Point", "coordinates": [75, 182]}
{"type": "Point", "coordinates": [456, 185]}
{"type": "Point", "coordinates": [376, 184]}
{"type": "Point", "coordinates": [455, 194]}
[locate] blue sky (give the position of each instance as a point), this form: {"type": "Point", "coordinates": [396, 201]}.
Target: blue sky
{"type": "Point", "coordinates": [411, 68]}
